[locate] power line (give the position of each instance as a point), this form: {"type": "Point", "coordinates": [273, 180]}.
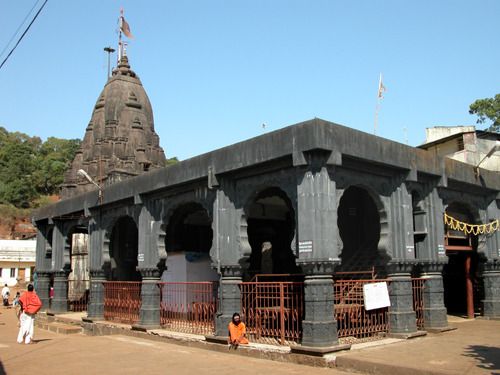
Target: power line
{"type": "Point", "coordinates": [19, 28]}
{"type": "Point", "coordinates": [24, 33]}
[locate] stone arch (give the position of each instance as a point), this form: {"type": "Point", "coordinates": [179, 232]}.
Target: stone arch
{"type": "Point", "coordinates": [187, 237]}
{"type": "Point", "coordinates": [269, 222]}
{"type": "Point", "coordinates": [363, 229]}
{"type": "Point", "coordinates": [121, 243]}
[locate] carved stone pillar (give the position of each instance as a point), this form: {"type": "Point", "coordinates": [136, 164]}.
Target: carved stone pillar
{"type": "Point", "coordinates": [150, 299]}
{"type": "Point", "coordinates": [319, 326]}
{"type": "Point", "coordinates": [402, 317]}
{"type": "Point", "coordinates": [60, 301]}
{"type": "Point", "coordinates": [229, 299]}
{"type": "Point", "coordinates": [96, 304]}
{"type": "Point", "coordinates": [434, 309]}
{"type": "Point", "coordinates": [491, 302]}
{"type": "Point", "coordinates": [42, 288]}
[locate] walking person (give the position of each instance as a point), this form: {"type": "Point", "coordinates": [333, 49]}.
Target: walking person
{"type": "Point", "coordinates": [5, 295]}
{"type": "Point", "coordinates": [30, 305]}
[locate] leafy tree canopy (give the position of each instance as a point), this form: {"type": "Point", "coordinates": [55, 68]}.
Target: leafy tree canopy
{"type": "Point", "coordinates": [487, 109]}
{"type": "Point", "coordinates": [30, 168]}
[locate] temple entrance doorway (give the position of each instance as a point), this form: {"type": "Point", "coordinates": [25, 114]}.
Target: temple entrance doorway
{"type": "Point", "coordinates": [123, 250]}
{"type": "Point", "coordinates": [271, 229]}
{"type": "Point", "coordinates": [359, 228]}
{"type": "Point", "coordinates": [462, 284]}
{"type": "Point", "coordinates": [188, 241]}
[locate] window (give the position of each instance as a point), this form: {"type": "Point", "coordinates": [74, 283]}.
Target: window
{"type": "Point", "coordinates": [12, 272]}
{"type": "Point", "coordinates": [460, 144]}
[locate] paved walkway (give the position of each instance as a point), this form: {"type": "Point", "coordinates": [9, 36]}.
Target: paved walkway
{"type": "Point", "coordinates": [474, 348]}
{"type": "Point", "coordinates": [120, 354]}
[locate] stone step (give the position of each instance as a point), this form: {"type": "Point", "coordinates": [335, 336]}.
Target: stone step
{"type": "Point", "coordinates": [63, 329]}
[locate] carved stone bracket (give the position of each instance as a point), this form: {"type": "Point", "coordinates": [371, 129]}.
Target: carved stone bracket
{"type": "Point", "coordinates": [431, 266]}
{"type": "Point", "coordinates": [318, 267]}
{"type": "Point", "coordinates": [149, 273]}
{"type": "Point", "coordinates": [492, 265]}
{"type": "Point", "coordinates": [231, 270]}
{"type": "Point", "coordinates": [401, 267]}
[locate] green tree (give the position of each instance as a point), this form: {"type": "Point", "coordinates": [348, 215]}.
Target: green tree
{"type": "Point", "coordinates": [17, 155]}
{"type": "Point", "coordinates": [52, 160]}
{"type": "Point", "coordinates": [487, 109]}
{"type": "Point", "coordinates": [30, 169]}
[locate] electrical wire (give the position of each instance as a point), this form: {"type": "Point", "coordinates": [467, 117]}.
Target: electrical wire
{"type": "Point", "coordinates": [19, 28]}
{"type": "Point", "coordinates": [24, 33]}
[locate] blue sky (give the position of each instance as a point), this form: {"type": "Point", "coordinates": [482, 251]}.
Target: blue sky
{"type": "Point", "coordinates": [215, 71]}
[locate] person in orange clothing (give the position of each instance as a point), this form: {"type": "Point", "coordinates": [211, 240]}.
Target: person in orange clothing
{"type": "Point", "coordinates": [30, 305]}
{"type": "Point", "coordinates": [237, 332]}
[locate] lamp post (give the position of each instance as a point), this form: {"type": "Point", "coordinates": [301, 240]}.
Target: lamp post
{"type": "Point", "coordinates": [109, 50]}
{"type": "Point", "coordinates": [84, 174]}
{"type": "Point", "coordinates": [494, 149]}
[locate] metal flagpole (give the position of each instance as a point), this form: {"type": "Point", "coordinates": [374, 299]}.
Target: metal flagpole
{"type": "Point", "coordinates": [377, 108]}
{"type": "Point", "coordinates": [120, 45]}
{"type": "Point", "coordinates": [381, 89]}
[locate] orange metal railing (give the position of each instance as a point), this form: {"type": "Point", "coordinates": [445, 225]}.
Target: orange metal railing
{"type": "Point", "coordinates": [273, 311]}
{"type": "Point", "coordinates": [122, 301]}
{"type": "Point", "coordinates": [349, 310]}
{"type": "Point", "coordinates": [418, 285]}
{"type": "Point", "coordinates": [78, 295]}
{"type": "Point", "coordinates": [188, 307]}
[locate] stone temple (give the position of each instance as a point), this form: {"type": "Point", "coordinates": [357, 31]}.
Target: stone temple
{"type": "Point", "coordinates": [306, 202]}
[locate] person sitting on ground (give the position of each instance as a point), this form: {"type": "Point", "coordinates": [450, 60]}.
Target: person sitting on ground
{"type": "Point", "coordinates": [237, 331]}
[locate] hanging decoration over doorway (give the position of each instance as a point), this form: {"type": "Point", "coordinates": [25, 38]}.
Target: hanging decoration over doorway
{"type": "Point", "coordinates": [474, 229]}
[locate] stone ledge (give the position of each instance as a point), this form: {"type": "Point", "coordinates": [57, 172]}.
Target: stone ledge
{"type": "Point", "coordinates": [63, 329]}
{"type": "Point", "coordinates": [407, 336]}
{"type": "Point", "coordinates": [440, 330]}
{"type": "Point", "coordinates": [319, 351]}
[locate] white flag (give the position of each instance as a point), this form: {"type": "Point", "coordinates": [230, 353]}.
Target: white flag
{"type": "Point", "coordinates": [381, 88]}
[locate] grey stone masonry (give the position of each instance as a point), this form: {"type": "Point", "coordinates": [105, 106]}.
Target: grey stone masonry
{"type": "Point", "coordinates": [402, 318]}
{"type": "Point", "coordinates": [491, 302]}
{"type": "Point", "coordinates": [229, 303]}
{"type": "Point", "coordinates": [60, 301]}
{"type": "Point", "coordinates": [96, 303]}
{"type": "Point", "coordinates": [150, 299]}
{"type": "Point", "coordinates": [319, 326]}
{"type": "Point", "coordinates": [42, 288]}
{"type": "Point", "coordinates": [434, 309]}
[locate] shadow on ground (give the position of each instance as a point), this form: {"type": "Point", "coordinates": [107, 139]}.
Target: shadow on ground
{"type": "Point", "coordinates": [489, 357]}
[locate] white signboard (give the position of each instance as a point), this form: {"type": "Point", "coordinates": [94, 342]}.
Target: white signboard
{"type": "Point", "coordinates": [140, 257]}
{"type": "Point", "coordinates": [376, 296]}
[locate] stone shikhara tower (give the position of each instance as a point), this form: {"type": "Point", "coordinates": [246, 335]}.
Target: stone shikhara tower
{"type": "Point", "coordinates": [120, 140]}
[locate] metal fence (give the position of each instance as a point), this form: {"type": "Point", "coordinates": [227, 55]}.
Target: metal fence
{"type": "Point", "coordinates": [418, 285]}
{"type": "Point", "coordinates": [78, 295]}
{"type": "Point", "coordinates": [122, 301]}
{"type": "Point", "coordinates": [188, 307]}
{"type": "Point", "coordinates": [349, 310]}
{"type": "Point", "coordinates": [273, 311]}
